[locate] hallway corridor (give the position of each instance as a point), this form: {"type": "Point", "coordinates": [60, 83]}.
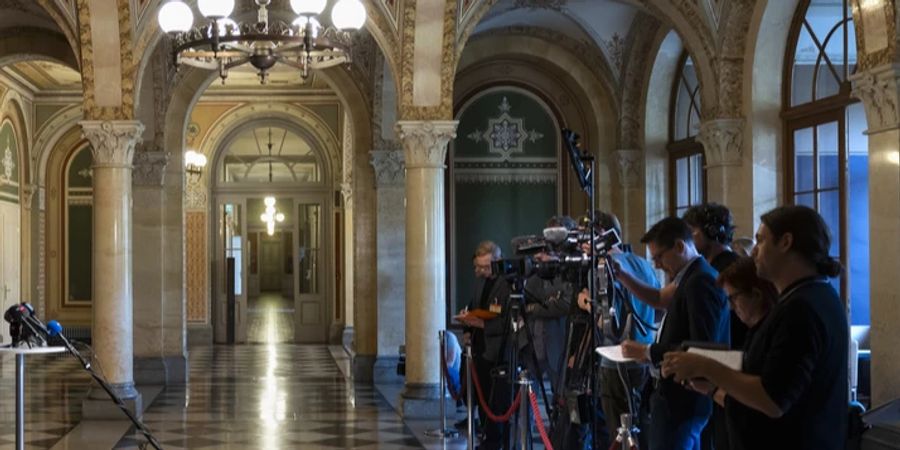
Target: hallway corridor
{"type": "Point", "coordinates": [272, 396]}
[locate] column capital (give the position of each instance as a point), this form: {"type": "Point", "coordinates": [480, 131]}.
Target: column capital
{"type": "Point", "coordinates": [722, 141]}
{"type": "Point", "coordinates": [347, 193]}
{"type": "Point", "coordinates": [425, 141]}
{"type": "Point", "coordinates": [112, 141]}
{"type": "Point", "coordinates": [150, 168]}
{"type": "Point", "coordinates": [878, 90]}
{"type": "Point", "coordinates": [629, 167]}
{"type": "Point", "coordinates": [389, 167]}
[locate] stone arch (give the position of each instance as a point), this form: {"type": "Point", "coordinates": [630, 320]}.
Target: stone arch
{"type": "Point", "coordinates": [767, 40]}
{"type": "Point", "coordinates": [599, 111]}
{"type": "Point", "coordinates": [19, 45]}
{"type": "Point", "coordinates": [47, 137]}
{"type": "Point", "coordinates": [310, 126]}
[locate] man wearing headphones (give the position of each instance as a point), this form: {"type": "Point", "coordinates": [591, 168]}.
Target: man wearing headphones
{"type": "Point", "coordinates": [712, 230]}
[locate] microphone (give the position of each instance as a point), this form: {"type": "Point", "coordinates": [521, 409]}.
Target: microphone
{"type": "Point", "coordinates": [54, 328]}
{"type": "Point", "coordinates": [556, 235]}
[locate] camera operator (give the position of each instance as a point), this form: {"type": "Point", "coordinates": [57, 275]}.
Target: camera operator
{"type": "Point", "coordinates": [615, 395]}
{"type": "Point", "coordinates": [713, 230]}
{"type": "Point", "coordinates": [489, 341]}
{"type": "Point", "coordinates": [696, 312]}
{"type": "Point", "coordinates": [548, 305]}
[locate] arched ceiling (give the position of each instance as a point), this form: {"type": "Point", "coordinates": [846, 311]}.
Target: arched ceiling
{"type": "Point", "coordinates": [25, 13]}
{"type": "Point", "coordinates": [604, 23]}
{"type": "Point", "coordinates": [44, 77]}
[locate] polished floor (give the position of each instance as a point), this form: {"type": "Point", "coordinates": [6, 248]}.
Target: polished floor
{"type": "Point", "coordinates": [270, 394]}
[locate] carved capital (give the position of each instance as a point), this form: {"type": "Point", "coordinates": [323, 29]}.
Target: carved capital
{"type": "Point", "coordinates": [629, 167]}
{"type": "Point", "coordinates": [112, 142]}
{"type": "Point", "coordinates": [389, 168]}
{"type": "Point", "coordinates": [722, 140]}
{"type": "Point", "coordinates": [425, 141]}
{"type": "Point", "coordinates": [150, 168]}
{"type": "Point", "coordinates": [877, 88]}
{"type": "Point", "coordinates": [347, 193]}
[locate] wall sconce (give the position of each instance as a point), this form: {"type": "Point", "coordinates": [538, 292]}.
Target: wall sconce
{"type": "Point", "coordinates": [194, 162]}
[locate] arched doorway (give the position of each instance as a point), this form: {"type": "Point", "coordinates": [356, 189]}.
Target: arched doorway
{"type": "Point", "coordinates": [272, 235]}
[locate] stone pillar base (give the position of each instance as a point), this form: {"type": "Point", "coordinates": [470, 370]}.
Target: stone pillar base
{"type": "Point", "coordinates": [347, 338]}
{"type": "Point", "coordinates": [99, 406]}
{"type": "Point", "coordinates": [385, 370]}
{"type": "Point", "coordinates": [163, 370]}
{"type": "Point", "coordinates": [362, 367]}
{"type": "Point", "coordinates": [423, 402]}
{"type": "Point", "coordinates": [199, 336]}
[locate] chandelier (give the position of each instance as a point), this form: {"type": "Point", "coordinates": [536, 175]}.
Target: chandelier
{"type": "Point", "coordinates": [221, 43]}
{"type": "Point", "coordinates": [271, 215]}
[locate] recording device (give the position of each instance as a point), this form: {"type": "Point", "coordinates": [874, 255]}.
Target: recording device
{"type": "Point", "coordinates": [24, 327]}
{"type": "Point", "coordinates": [577, 158]}
{"type": "Point", "coordinates": [565, 252]}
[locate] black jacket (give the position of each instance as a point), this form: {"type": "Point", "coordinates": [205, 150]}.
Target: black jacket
{"type": "Point", "coordinates": [489, 342]}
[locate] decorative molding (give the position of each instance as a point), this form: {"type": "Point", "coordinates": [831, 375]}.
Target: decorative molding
{"type": "Point", "coordinates": [112, 142]}
{"type": "Point", "coordinates": [505, 134]}
{"type": "Point", "coordinates": [509, 177]}
{"type": "Point", "coordinates": [389, 167]}
{"type": "Point", "coordinates": [722, 141]}
{"type": "Point", "coordinates": [878, 90]}
{"type": "Point", "coordinates": [150, 168]}
{"type": "Point", "coordinates": [347, 194]}
{"type": "Point", "coordinates": [425, 142]}
{"type": "Point", "coordinates": [195, 195]}
{"type": "Point", "coordinates": [615, 49]}
{"type": "Point", "coordinates": [629, 167]}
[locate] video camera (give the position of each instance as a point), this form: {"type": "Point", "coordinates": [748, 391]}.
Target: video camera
{"type": "Point", "coordinates": [563, 254]}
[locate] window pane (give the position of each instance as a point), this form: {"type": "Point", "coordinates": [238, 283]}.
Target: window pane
{"type": "Point", "coordinates": [309, 221]}
{"type": "Point", "coordinates": [804, 61]}
{"type": "Point", "coordinates": [805, 200]}
{"type": "Point", "coordinates": [827, 147]}
{"type": "Point", "coordinates": [830, 209]}
{"type": "Point", "coordinates": [826, 84]}
{"type": "Point", "coordinates": [803, 160]}
{"type": "Point", "coordinates": [264, 154]}
{"type": "Point", "coordinates": [687, 103]}
{"type": "Point", "coordinates": [696, 179]}
{"type": "Point", "coordinates": [823, 25]}
{"type": "Point", "coordinates": [682, 175]}
{"type": "Point", "coordinates": [858, 215]}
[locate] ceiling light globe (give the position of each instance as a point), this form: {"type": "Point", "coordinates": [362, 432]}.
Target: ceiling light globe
{"type": "Point", "coordinates": [279, 217]}
{"type": "Point", "coordinates": [308, 7]}
{"type": "Point", "coordinates": [269, 201]}
{"type": "Point", "coordinates": [199, 159]}
{"type": "Point", "coordinates": [348, 15]}
{"type": "Point", "coordinates": [175, 17]}
{"type": "Point", "coordinates": [216, 8]}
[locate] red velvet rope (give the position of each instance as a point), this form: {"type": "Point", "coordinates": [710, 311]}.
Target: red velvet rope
{"type": "Point", "coordinates": [493, 417]}
{"type": "Point", "coordinates": [539, 421]}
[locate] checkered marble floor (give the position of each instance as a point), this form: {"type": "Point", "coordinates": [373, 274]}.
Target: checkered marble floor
{"type": "Point", "coordinates": [271, 396]}
{"type": "Point", "coordinates": [54, 387]}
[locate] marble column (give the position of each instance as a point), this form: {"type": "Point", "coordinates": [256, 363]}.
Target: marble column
{"type": "Point", "coordinates": [629, 171]}
{"type": "Point", "coordinates": [112, 145]}
{"type": "Point", "coordinates": [389, 183]}
{"type": "Point", "coordinates": [879, 91]}
{"type": "Point", "coordinates": [347, 315]}
{"type": "Point", "coordinates": [425, 151]}
{"type": "Point", "coordinates": [155, 323]}
{"type": "Point", "coordinates": [727, 182]}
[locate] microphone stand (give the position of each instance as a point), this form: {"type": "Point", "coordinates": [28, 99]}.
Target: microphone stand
{"type": "Point", "coordinates": [106, 387]}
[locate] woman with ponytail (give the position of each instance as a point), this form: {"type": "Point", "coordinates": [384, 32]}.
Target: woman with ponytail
{"type": "Point", "coordinates": [792, 392]}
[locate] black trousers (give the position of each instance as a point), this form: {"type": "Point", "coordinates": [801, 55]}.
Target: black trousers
{"type": "Point", "coordinates": [498, 394]}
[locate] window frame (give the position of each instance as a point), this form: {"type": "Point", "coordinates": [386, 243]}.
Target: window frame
{"type": "Point", "coordinates": [815, 113]}
{"type": "Point", "coordinates": [683, 148]}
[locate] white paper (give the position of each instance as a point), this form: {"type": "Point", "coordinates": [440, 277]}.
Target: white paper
{"type": "Point", "coordinates": [732, 359]}
{"type": "Point", "coordinates": [613, 353]}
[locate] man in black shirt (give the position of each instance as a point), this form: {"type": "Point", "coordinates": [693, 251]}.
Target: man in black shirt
{"type": "Point", "coordinates": [793, 390]}
{"type": "Point", "coordinates": [489, 339]}
{"type": "Point", "coordinates": [713, 230]}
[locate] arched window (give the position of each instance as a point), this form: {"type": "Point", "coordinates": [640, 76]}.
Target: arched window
{"type": "Point", "coordinates": [273, 154]}
{"type": "Point", "coordinates": [826, 158]}
{"type": "Point", "coordinates": [687, 179]}
{"type": "Point", "coordinates": [78, 216]}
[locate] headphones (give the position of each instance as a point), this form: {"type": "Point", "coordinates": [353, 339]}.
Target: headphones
{"type": "Point", "coordinates": [716, 227]}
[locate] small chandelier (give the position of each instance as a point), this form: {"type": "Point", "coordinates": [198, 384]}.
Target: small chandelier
{"type": "Point", "coordinates": [194, 162]}
{"type": "Point", "coordinates": [271, 216]}
{"type": "Point", "coordinates": [222, 44]}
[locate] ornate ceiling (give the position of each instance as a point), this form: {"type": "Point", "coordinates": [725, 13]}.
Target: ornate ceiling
{"type": "Point", "coordinates": [24, 13]}
{"type": "Point", "coordinates": [45, 77]}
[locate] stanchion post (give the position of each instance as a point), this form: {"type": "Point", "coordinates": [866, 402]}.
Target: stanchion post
{"type": "Point", "coordinates": [470, 411]}
{"type": "Point", "coordinates": [20, 401]}
{"type": "Point", "coordinates": [524, 419]}
{"type": "Point", "coordinates": [443, 432]}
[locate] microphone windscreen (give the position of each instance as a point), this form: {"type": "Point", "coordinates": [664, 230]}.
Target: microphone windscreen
{"type": "Point", "coordinates": [54, 328]}
{"type": "Point", "coordinates": [556, 235]}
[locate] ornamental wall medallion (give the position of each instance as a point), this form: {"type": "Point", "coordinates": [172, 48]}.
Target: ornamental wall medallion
{"type": "Point", "coordinates": [9, 165]}
{"type": "Point", "coordinates": [505, 134]}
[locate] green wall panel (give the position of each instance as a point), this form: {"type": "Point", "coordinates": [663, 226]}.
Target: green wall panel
{"type": "Point", "coordinates": [80, 241]}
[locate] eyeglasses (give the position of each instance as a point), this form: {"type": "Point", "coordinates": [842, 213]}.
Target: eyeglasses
{"type": "Point", "coordinates": [659, 255]}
